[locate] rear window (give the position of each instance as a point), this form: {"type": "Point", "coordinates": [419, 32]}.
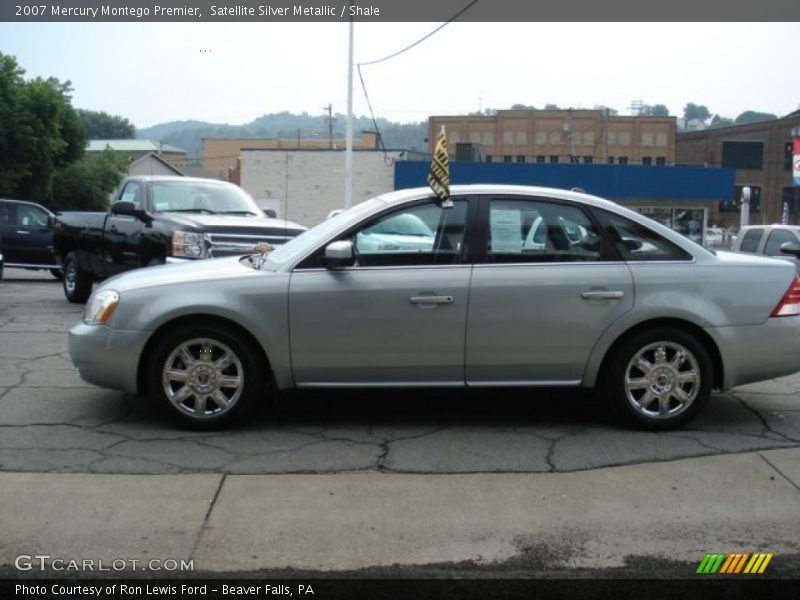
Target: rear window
{"type": "Point", "coordinates": [750, 240]}
{"type": "Point", "coordinates": [635, 242]}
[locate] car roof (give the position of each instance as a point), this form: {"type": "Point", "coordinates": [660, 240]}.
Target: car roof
{"type": "Point", "coordinates": [795, 228]}
{"type": "Point", "coordinates": [176, 178]}
{"type": "Point", "coordinates": [28, 202]}
{"type": "Point", "coordinates": [487, 188]}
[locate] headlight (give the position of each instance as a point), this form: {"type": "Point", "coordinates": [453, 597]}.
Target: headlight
{"type": "Point", "coordinates": [100, 307]}
{"type": "Point", "coordinates": [188, 245]}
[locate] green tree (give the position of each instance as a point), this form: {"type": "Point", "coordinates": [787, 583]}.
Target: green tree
{"type": "Point", "coordinates": [718, 121]}
{"type": "Point", "coordinates": [655, 110]}
{"type": "Point", "coordinates": [696, 112]}
{"type": "Point", "coordinates": [751, 116]}
{"type": "Point", "coordinates": [103, 126]}
{"type": "Point", "coordinates": [87, 183]}
{"type": "Point", "coordinates": [40, 132]}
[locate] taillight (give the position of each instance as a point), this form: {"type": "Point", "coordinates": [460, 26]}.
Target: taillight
{"type": "Point", "coordinates": [789, 306]}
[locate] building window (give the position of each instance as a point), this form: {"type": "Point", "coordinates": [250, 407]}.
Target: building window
{"type": "Point", "coordinates": [611, 160]}
{"type": "Point", "coordinates": [661, 161]}
{"type": "Point", "coordinates": [587, 160]}
{"type": "Point", "coordinates": [647, 160]}
{"type": "Point", "coordinates": [507, 158]}
{"type": "Point", "coordinates": [540, 158]}
{"type": "Point", "coordinates": [743, 155]}
{"type": "Point", "coordinates": [554, 158]}
{"type": "Point", "coordinates": [488, 158]}
{"type": "Point", "coordinates": [623, 160]}
{"type": "Point", "coordinates": [520, 158]}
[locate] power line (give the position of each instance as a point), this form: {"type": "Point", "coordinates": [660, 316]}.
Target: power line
{"type": "Point", "coordinates": [398, 53]}
{"type": "Point", "coordinates": [422, 39]}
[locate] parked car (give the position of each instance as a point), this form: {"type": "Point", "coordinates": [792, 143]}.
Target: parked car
{"type": "Point", "coordinates": [626, 305]}
{"type": "Point", "coordinates": [159, 219]}
{"type": "Point", "coordinates": [26, 231]}
{"type": "Point", "coordinates": [768, 241]}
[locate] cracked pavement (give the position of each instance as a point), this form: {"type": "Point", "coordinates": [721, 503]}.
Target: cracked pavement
{"type": "Point", "coordinates": [52, 421]}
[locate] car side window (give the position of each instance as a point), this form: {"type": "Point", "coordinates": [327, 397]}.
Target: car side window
{"type": "Point", "coordinates": [133, 193]}
{"type": "Point", "coordinates": [6, 213]}
{"type": "Point", "coordinates": [637, 242]}
{"type": "Point", "coordinates": [775, 240]}
{"type": "Point", "coordinates": [423, 234]}
{"type": "Point", "coordinates": [30, 216]}
{"type": "Point", "coordinates": [523, 231]}
{"type": "Point", "coordinates": [750, 240]}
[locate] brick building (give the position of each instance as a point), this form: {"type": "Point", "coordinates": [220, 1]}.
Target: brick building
{"type": "Point", "coordinates": [761, 154]}
{"type": "Point", "coordinates": [562, 136]}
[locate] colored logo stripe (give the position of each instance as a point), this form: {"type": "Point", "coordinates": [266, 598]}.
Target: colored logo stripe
{"type": "Point", "coordinates": [739, 562]}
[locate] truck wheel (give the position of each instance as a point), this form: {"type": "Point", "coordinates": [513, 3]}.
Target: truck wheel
{"type": "Point", "coordinates": [77, 282]}
{"type": "Point", "coordinates": [205, 375]}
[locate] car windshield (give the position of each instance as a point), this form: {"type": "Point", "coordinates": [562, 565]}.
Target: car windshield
{"type": "Point", "coordinates": [200, 196]}
{"type": "Point", "coordinates": [310, 239]}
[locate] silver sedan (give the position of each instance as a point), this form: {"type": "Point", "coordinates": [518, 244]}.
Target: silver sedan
{"type": "Point", "coordinates": [605, 299]}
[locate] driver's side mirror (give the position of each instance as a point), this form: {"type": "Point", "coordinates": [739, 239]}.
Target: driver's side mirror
{"type": "Point", "coordinates": [792, 248]}
{"type": "Point", "coordinates": [338, 254]}
{"type": "Point", "coordinates": [123, 207]}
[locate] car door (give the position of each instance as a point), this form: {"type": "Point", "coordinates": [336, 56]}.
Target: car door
{"type": "Point", "coordinates": [123, 232]}
{"type": "Point", "coordinates": [397, 315]}
{"type": "Point", "coordinates": [27, 235]}
{"type": "Point", "coordinates": [537, 308]}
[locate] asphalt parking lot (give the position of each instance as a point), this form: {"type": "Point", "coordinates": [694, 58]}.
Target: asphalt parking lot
{"type": "Point", "coordinates": [561, 446]}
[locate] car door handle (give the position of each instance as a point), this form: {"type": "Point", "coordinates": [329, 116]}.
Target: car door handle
{"type": "Point", "coordinates": [430, 300]}
{"type": "Point", "coordinates": [23, 232]}
{"type": "Point", "coordinates": [602, 295]}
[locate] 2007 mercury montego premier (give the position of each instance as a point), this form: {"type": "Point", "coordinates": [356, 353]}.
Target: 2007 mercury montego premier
{"type": "Point", "coordinates": [602, 297]}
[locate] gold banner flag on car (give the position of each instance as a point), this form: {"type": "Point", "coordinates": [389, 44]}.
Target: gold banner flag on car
{"type": "Point", "coordinates": [439, 175]}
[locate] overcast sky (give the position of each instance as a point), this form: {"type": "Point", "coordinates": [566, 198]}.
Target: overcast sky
{"type": "Point", "coordinates": [235, 72]}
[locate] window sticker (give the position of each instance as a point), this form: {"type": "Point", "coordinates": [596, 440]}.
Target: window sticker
{"type": "Point", "coordinates": [506, 226]}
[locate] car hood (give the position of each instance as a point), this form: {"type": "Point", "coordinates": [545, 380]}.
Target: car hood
{"type": "Point", "coordinates": [176, 274]}
{"type": "Point", "coordinates": [231, 223]}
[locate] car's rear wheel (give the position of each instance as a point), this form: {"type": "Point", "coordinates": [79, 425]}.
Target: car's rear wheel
{"type": "Point", "coordinates": [77, 282]}
{"type": "Point", "coordinates": [659, 379]}
{"type": "Point", "coordinates": [206, 376]}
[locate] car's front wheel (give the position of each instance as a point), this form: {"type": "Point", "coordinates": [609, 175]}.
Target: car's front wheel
{"type": "Point", "coordinates": [659, 379]}
{"type": "Point", "coordinates": [205, 375]}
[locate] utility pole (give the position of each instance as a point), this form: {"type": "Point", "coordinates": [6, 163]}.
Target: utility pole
{"type": "Point", "coordinates": [348, 153]}
{"type": "Point", "coordinates": [330, 121]}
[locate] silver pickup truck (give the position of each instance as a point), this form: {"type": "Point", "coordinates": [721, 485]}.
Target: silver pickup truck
{"type": "Point", "coordinates": [779, 241]}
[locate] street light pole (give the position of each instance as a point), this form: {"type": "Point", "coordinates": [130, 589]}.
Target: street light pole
{"type": "Point", "coordinates": [348, 151]}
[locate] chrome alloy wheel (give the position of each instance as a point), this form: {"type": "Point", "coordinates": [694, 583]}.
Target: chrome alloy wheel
{"type": "Point", "coordinates": [70, 277]}
{"type": "Point", "coordinates": [662, 380]}
{"type": "Point", "coordinates": [203, 378]}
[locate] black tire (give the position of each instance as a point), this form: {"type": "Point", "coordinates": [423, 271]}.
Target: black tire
{"type": "Point", "coordinates": [154, 262]}
{"type": "Point", "coordinates": [77, 283]}
{"type": "Point", "coordinates": [57, 273]}
{"type": "Point", "coordinates": [205, 404]}
{"type": "Point", "coordinates": [676, 387]}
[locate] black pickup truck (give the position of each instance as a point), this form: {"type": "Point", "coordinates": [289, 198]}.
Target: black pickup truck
{"type": "Point", "coordinates": [159, 219]}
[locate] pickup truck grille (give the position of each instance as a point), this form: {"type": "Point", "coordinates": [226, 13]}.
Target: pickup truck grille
{"type": "Point", "coordinates": [234, 244]}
